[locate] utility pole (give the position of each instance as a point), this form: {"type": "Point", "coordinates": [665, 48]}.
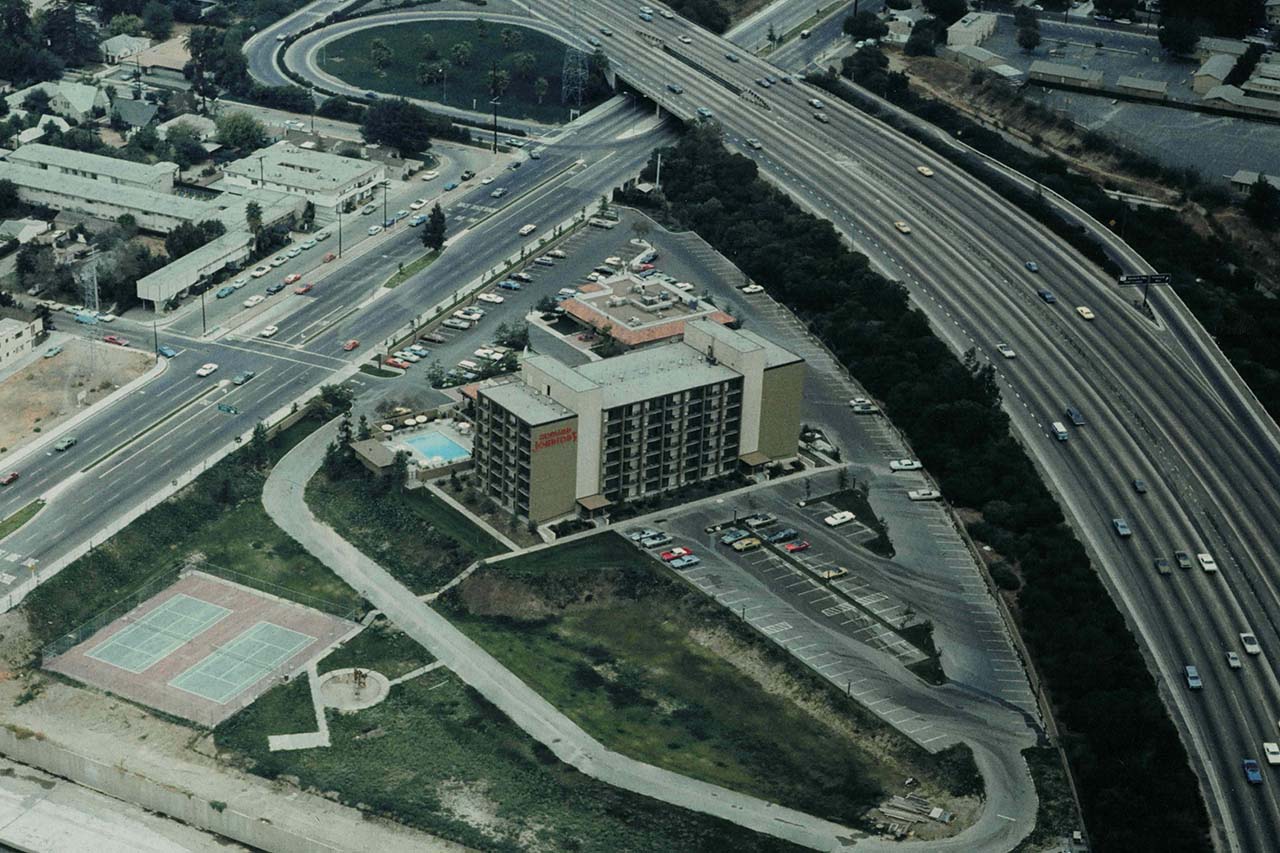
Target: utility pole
{"type": "Point", "coordinates": [657, 178]}
{"type": "Point", "coordinates": [339, 230]}
{"type": "Point", "coordinates": [384, 201]}
{"type": "Point", "coordinates": [155, 336]}
{"type": "Point", "coordinates": [204, 327]}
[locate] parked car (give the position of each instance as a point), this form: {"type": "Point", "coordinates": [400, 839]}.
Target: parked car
{"type": "Point", "coordinates": [418, 204]}
{"type": "Point", "coordinates": [784, 535]}
{"type": "Point", "coordinates": [675, 553]}
{"type": "Point", "coordinates": [905, 465]}
{"type": "Point", "coordinates": [642, 533]}
{"type": "Point", "coordinates": [52, 351]}
{"type": "Point", "coordinates": [392, 361]}
{"type": "Point", "coordinates": [832, 574]}
{"type": "Point", "coordinates": [863, 406]}
{"type": "Point", "coordinates": [259, 272]}
{"type": "Point", "coordinates": [304, 288]}
{"type": "Point", "coordinates": [924, 495]}
{"type": "Point", "coordinates": [733, 535]}
{"type": "Point", "coordinates": [256, 299]}
{"type": "Point", "coordinates": [838, 518]}
{"type": "Point", "coordinates": [116, 339]}
{"type": "Point", "coordinates": [292, 277]}
{"type": "Point", "coordinates": [224, 292]}
{"type": "Point", "coordinates": [279, 261]}
{"type": "Point", "coordinates": [796, 547]}
{"type": "Point", "coordinates": [375, 229]}
{"type": "Point", "coordinates": [328, 256]}
{"type": "Point", "coordinates": [748, 544]}
{"type": "Point", "coordinates": [684, 562]}
{"type": "Point", "coordinates": [275, 288]}
{"type": "Point", "coordinates": [656, 541]}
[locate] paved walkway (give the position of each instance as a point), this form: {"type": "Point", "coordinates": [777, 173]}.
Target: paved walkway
{"type": "Point", "coordinates": [284, 500]}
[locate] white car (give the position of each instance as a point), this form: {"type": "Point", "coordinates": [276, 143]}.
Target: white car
{"type": "Point", "coordinates": [491, 297]}
{"type": "Point", "coordinates": [1250, 643]}
{"type": "Point", "coordinates": [1006, 351]}
{"type": "Point", "coordinates": [294, 252]}
{"type": "Point", "coordinates": [106, 318]}
{"type": "Point", "coordinates": [279, 260]}
{"type": "Point", "coordinates": [526, 230]}
{"type": "Point", "coordinates": [1272, 753]}
{"type": "Point", "coordinates": [321, 235]}
{"type": "Point", "coordinates": [375, 229]}
{"type": "Point", "coordinates": [259, 272]}
{"type": "Point", "coordinates": [863, 406]}
{"type": "Point", "coordinates": [753, 288]}
{"type": "Point", "coordinates": [1207, 562]}
{"type": "Point", "coordinates": [1233, 660]}
{"type": "Point", "coordinates": [905, 465]}
{"type": "Point", "coordinates": [256, 299]}
{"type": "Point", "coordinates": [407, 356]}
{"type": "Point", "coordinates": [269, 332]}
{"type": "Point", "coordinates": [206, 369]}
{"type": "Point", "coordinates": [417, 204]}
{"type": "Point", "coordinates": [839, 518]}
{"type": "Point", "coordinates": [486, 180]}
{"type": "Point", "coordinates": [430, 176]}
{"type": "Point", "coordinates": [686, 286]}
{"type": "Point", "coordinates": [924, 494]}
{"type": "Point", "coordinates": [239, 283]}
{"type": "Point", "coordinates": [686, 40]}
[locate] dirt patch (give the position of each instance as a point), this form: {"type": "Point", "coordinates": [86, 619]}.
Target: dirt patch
{"type": "Point", "coordinates": [43, 395]}
{"type": "Point", "coordinates": [489, 593]}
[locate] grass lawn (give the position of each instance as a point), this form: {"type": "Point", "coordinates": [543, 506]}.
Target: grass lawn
{"type": "Point", "coordinates": [657, 672]}
{"type": "Point", "coordinates": [220, 515]}
{"type": "Point", "coordinates": [416, 536]}
{"type": "Point", "coordinates": [437, 756]}
{"type": "Point", "coordinates": [21, 517]}
{"type": "Point", "coordinates": [468, 86]}
{"type": "Point", "coordinates": [411, 268]}
{"type": "Point", "coordinates": [381, 647]}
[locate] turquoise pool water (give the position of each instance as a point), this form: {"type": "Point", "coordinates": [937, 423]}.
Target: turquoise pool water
{"type": "Point", "coordinates": [432, 444]}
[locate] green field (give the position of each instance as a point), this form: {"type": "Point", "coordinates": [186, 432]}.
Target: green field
{"type": "Point", "coordinates": [416, 536]}
{"type": "Point", "coordinates": [437, 756]}
{"type": "Point", "coordinates": [655, 671]}
{"type": "Point", "coordinates": [381, 647]}
{"type": "Point", "coordinates": [219, 516]}
{"type": "Point", "coordinates": [467, 86]}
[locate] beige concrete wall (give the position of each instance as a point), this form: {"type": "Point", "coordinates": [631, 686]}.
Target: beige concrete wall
{"type": "Point", "coordinates": [780, 410]}
{"type": "Point", "coordinates": [553, 457]}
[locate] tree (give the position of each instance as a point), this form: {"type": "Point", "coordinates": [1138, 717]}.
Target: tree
{"type": "Point", "coordinates": [253, 217]}
{"type": "Point", "coordinates": [524, 65]}
{"type": "Point", "coordinates": [187, 237]}
{"type": "Point", "coordinates": [66, 35]}
{"type": "Point", "coordinates": [511, 39]}
{"type": "Point", "coordinates": [540, 87]}
{"type": "Point", "coordinates": [1028, 39]}
{"type": "Point", "coordinates": [865, 25]}
{"type": "Point", "coordinates": [427, 47]}
{"type": "Point", "coordinates": [434, 229]}
{"type": "Point", "coordinates": [36, 101]}
{"type": "Point", "coordinates": [1117, 8]}
{"type": "Point", "coordinates": [402, 125]}
{"type": "Point", "coordinates": [1262, 205]}
{"type": "Point", "coordinates": [363, 432]}
{"type": "Point", "coordinates": [241, 131]}
{"type": "Point", "coordinates": [460, 55]}
{"type": "Point", "coordinates": [258, 449]}
{"type": "Point", "coordinates": [185, 146]}
{"type": "Point", "coordinates": [924, 35]}
{"type": "Point", "coordinates": [948, 11]}
{"type": "Point", "coordinates": [398, 472]}
{"type": "Point", "coordinates": [335, 399]}
{"type": "Point", "coordinates": [125, 25]}
{"type": "Point", "coordinates": [9, 201]}
{"type": "Point", "coordinates": [425, 74]}
{"type": "Point", "coordinates": [379, 55]}
{"type": "Point", "coordinates": [499, 80]}
{"type": "Point", "coordinates": [1025, 16]}
{"type": "Point", "coordinates": [157, 18]}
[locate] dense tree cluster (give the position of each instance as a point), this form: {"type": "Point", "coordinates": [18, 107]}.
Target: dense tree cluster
{"type": "Point", "coordinates": [1223, 17]}
{"type": "Point", "coordinates": [404, 126]}
{"type": "Point", "coordinates": [188, 237]}
{"type": "Point", "coordinates": [1136, 787]}
{"type": "Point", "coordinates": [710, 14]}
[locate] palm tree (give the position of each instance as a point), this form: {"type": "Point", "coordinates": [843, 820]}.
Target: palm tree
{"type": "Point", "coordinates": [540, 87]}
{"type": "Point", "coordinates": [379, 54]}
{"type": "Point", "coordinates": [253, 218]}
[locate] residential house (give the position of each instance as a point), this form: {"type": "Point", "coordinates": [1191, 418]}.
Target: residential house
{"type": "Point", "coordinates": [119, 48]}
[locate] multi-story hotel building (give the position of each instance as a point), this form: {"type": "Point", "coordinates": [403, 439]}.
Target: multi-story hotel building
{"type": "Point", "coordinates": [559, 439]}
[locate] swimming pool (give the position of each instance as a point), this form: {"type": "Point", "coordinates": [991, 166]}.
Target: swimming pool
{"type": "Point", "coordinates": [433, 444]}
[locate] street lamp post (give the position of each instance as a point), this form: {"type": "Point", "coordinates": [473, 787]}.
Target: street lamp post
{"type": "Point", "coordinates": [384, 201]}
{"type": "Point", "coordinates": [204, 327]}
{"type": "Point", "coordinates": [339, 230]}
{"type": "Point", "coordinates": [494, 102]}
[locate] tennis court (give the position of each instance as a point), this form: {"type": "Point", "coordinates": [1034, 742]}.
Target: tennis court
{"type": "Point", "coordinates": [201, 647]}
{"type": "Point", "coordinates": [158, 633]}
{"type": "Point", "coordinates": [229, 670]}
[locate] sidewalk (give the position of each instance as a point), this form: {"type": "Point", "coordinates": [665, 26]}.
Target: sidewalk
{"type": "Point", "coordinates": [284, 501]}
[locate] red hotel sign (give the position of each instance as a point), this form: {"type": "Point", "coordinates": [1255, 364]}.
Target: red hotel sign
{"type": "Point", "coordinates": [564, 435]}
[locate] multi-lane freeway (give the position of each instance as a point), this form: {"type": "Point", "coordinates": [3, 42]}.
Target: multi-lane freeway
{"type": "Point", "coordinates": [1160, 401]}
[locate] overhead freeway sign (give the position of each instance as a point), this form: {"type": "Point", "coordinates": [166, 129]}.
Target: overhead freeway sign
{"type": "Point", "coordinates": [1153, 278]}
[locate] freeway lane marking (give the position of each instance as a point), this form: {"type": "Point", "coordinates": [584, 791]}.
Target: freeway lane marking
{"type": "Point", "coordinates": [204, 392]}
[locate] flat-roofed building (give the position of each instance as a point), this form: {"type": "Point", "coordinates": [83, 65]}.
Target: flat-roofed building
{"type": "Point", "coordinates": [971, 30]}
{"type": "Point", "coordinates": [559, 439]}
{"type": "Point", "coordinates": [1065, 75]}
{"type": "Point", "coordinates": [973, 56]}
{"type": "Point", "coordinates": [153, 211]}
{"type": "Point", "coordinates": [638, 311]}
{"type": "Point", "coordinates": [1146, 88]}
{"type": "Point", "coordinates": [18, 331]}
{"type": "Point", "coordinates": [1209, 45]}
{"type": "Point", "coordinates": [157, 177]}
{"type": "Point", "coordinates": [1212, 72]}
{"type": "Point", "coordinates": [325, 180]}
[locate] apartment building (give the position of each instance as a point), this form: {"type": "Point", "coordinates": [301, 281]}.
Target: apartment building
{"type": "Point", "coordinates": [558, 439]}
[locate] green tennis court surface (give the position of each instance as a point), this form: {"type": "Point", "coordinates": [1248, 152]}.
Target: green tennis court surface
{"type": "Point", "coordinates": [158, 633]}
{"type": "Point", "coordinates": [239, 664]}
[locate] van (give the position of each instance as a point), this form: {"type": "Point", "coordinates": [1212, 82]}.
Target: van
{"type": "Point", "coordinates": [1060, 431]}
{"type": "Point", "coordinates": [804, 34]}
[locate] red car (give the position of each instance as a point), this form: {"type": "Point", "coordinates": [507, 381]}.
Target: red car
{"type": "Point", "coordinates": [675, 554]}
{"type": "Point", "coordinates": [118, 341]}
{"type": "Point", "coordinates": [8, 478]}
{"type": "Point", "coordinates": [350, 345]}
{"type": "Point", "coordinates": [328, 256]}
{"type": "Point", "coordinates": [303, 288]}
{"type": "Point", "coordinates": [292, 277]}
{"type": "Point", "coordinates": [396, 362]}
{"type": "Point", "coordinates": [793, 547]}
